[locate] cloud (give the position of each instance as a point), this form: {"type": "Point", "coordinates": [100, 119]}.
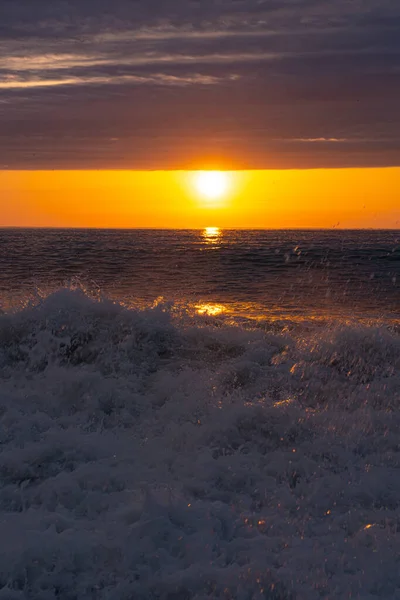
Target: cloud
{"type": "Point", "coordinates": [15, 83]}
{"type": "Point", "coordinates": [320, 140]}
{"type": "Point", "coordinates": [305, 72]}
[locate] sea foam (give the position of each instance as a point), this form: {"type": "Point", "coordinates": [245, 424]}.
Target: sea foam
{"type": "Point", "coordinates": [159, 455]}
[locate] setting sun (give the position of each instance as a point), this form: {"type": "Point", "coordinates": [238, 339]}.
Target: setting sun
{"type": "Point", "coordinates": [211, 184]}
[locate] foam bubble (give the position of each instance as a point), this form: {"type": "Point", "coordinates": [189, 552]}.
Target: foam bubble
{"type": "Point", "coordinates": [157, 454]}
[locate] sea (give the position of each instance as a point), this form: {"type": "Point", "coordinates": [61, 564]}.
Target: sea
{"type": "Point", "coordinates": [197, 415]}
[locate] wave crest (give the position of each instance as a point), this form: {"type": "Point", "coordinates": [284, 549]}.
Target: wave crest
{"type": "Point", "coordinates": [152, 454]}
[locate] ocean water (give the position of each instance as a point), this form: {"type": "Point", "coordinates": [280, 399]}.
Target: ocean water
{"type": "Point", "coordinates": [199, 415]}
{"type": "Point", "coordinates": [248, 273]}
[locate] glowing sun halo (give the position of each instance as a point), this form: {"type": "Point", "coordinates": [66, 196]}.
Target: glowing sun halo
{"type": "Point", "coordinates": [211, 184]}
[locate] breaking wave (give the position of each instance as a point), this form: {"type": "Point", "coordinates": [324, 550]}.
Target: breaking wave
{"type": "Point", "coordinates": [155, 454]}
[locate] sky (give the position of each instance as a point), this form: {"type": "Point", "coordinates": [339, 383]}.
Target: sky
{"type": "Point", "coordinates": [211, 84]}
{"type": "Point", "coordinates": [272, 199]}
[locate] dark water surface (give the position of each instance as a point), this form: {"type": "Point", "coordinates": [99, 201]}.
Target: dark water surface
{"type": "Point", "coordinates": [244, 272]}
{"type": "Point", "coordinates": [195, 454]}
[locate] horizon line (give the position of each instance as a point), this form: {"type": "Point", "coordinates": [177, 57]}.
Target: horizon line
{"type": "Point", "coordinates": [88, 228]}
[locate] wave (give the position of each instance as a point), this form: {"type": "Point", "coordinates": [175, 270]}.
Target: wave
{"type": "Point", "coordinates": [157, 454]}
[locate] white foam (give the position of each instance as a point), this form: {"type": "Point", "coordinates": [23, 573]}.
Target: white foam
{"type": "Point", "coordinates": [150, 454]}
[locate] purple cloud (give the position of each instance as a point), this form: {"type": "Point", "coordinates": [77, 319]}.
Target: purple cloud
{"type": "Point", "coordinates": [151, 84]}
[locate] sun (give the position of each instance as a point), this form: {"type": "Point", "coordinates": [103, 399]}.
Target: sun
{"type": "Point", "coordinates": [211, 184]}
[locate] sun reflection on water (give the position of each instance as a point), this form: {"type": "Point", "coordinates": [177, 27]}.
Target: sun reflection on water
{"type": "Point", "coordinates": [212, 235]}
{"type": "Point", "coordinates": [210, 308]}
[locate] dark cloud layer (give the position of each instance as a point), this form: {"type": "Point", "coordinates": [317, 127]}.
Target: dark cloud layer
{"type": "Point", "coordinates": [156, 84]}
